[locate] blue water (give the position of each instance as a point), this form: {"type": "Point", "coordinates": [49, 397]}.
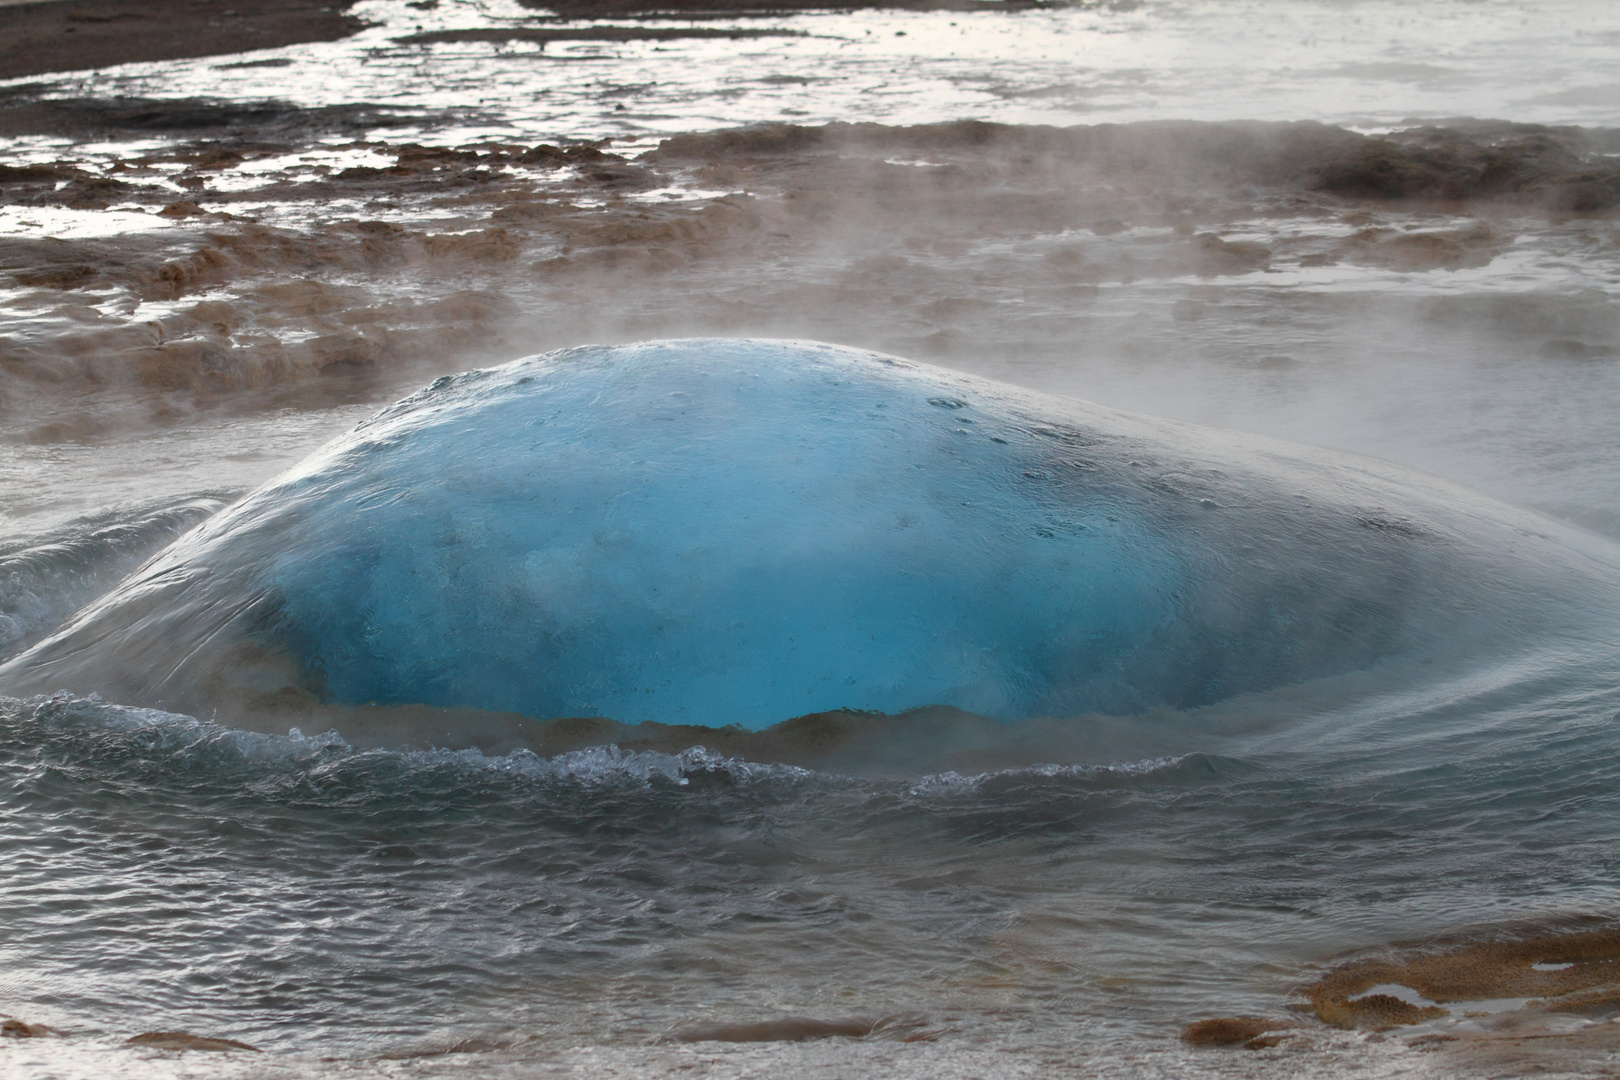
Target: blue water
{"type": "Point", "coordinates": [720, 532]}
{"type": "Point", "coordinates": [739, 532]}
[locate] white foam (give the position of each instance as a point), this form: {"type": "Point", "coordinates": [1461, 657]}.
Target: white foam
{"type": "Point", "coordinates": [1479, 1007]}
{"type": "Point", "coordinates": [61, 223]}
{"type": "Point", "coordinates": [1397, 991]}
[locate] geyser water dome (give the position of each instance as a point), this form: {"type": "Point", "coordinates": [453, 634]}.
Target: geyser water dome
{"type": "Point", "coordinates": [723, 532]}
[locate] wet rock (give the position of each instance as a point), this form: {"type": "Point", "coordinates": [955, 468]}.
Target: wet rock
{"type": "Point", "coordinates": [784, 1029]}
{"type": "Point", "coordinates": [213, 158]}
{"type": "Point", "coordinates": [34, 174]}
{"type": "Point", "coordinates": [1452, 249]}
{"type": "Point", "coordinates": [626, 177]}
{"type": "Point", "coordinates": [306, 299]}
{"type": "Point", "coordinates": [1215, 256]}
{"type": "Point", "coordinates": [182, 1040]}
{"type": "Point", "coordinates": [528, 212]}
{"type": "Point", "coordinates": [588, 153]}
{"type": "Point", "coordinates": [467, 307]}
{"type": "Point", "coordinates": [543, 36]}
{"type": "Point", "coordinates": [1377, 1011]}
{"type": "Point", "coordinates": [91, 193]}
{"type": "Point", "coordinates": [1249, 1032]}
{"type": "Point", "coordinates": [1046, 191]}
{"type": "Point", "coordinates": [21, 1029]}
{"type": "Point", "coordinates": [486, 245]}
{"type": "Point", "coordinates": [381, 243]}
{"type": "Point", "coordinates": [642, 229]}
{"type": "Point", "coordinates": [1578, 193]}
{"type": "Point", "coordinates": [627, 259]}
{"type": "Point", "coordinates": [1430, 1042]}
{"type": "Point", "coordinates": [366, 172]}
{"type": "Point", "coordinates": [1570, 349]}
{"type": "Point", "coordinates": [58, 277]}
{"type": "Point", "coordinates": [346, 350]}
{"type": "Point", "coordinates": [1564, 971]}
{"type": "Point", "coordinates": [213, 155]}
{"type": "Point", "coordinates": [100, 33]}
{"type": "Point", "coordinates": [1380, 169]}
{"type": "Point", "coordinates": [1065, 258]}
{"type": "Point", "coordinates": [191, 365]}
{"type": "Point", "coordinates": [181, 276]}
{"type": "Point", "coordinates": [415, 156]}
{"type": "Point", "coordinates": [250, 123]}
{"type": "Point", "coordinates": [770, 139]}
{"type": "Point", "coordinates": [1556, 169]}
{"type": "Point", "coordinates": [543, 154]}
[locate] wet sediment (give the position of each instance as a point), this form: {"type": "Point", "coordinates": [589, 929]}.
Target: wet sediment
{"type": "Point", "coordinates": [184, 1040]}
{"type": "Point", "coordinates": [1249, 1032]}
{"type": "Point", "coordinates": [1570, 972]}
{"type": "Point", "coordinates": [250, 269]}
{"type": "Point", "coordinates": [1521, 1001]}
{"type": "Point", "coordinates": [731, 9]}
{"type": "Point", "coordinates": [48, 36]}
{"type": "Point", "coordinates": [1528, 1001]}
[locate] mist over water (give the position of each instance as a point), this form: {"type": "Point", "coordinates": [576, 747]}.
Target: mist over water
{"type": "Point", "coordinates": [1364, 227]}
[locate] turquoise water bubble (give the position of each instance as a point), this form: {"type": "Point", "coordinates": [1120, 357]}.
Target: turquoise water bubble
{"type": "Point", "coordinates": [728, 531]}
{"type": "Point", "coordinates": [736, 532]}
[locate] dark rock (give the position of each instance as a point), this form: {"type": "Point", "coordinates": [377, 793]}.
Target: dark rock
{"type": "Point", "coordinates": [543, 154]}
{"type": "Point", "coordinates": [34, 38]}
{"type": "Point", "coordinates": [1216, 256]}
{"type": "Point", "coordinates": [91, 193]}
{"type": "Point", "coordinates": [57, 277]}
{"type": "Point", "coordinates": [1556, 169]}
{"type": "Point", "coordinates": [1453, 249]}
{"type": "Point", "coordinates": [34, 174]}
{"type": "Point", "coordinates": [1248, 1032]}
{"type": "Point", "coordinates": [182, 1040]}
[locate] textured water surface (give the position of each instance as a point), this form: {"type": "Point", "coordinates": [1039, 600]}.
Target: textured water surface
{"type": "Point", "coordinates": [221, 264]}
{"type": "Point", "coordinates": [318, 900]}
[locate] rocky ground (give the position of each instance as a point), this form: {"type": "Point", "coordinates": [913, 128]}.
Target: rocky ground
{"type": "Point", "coordinates": [267, 254]}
